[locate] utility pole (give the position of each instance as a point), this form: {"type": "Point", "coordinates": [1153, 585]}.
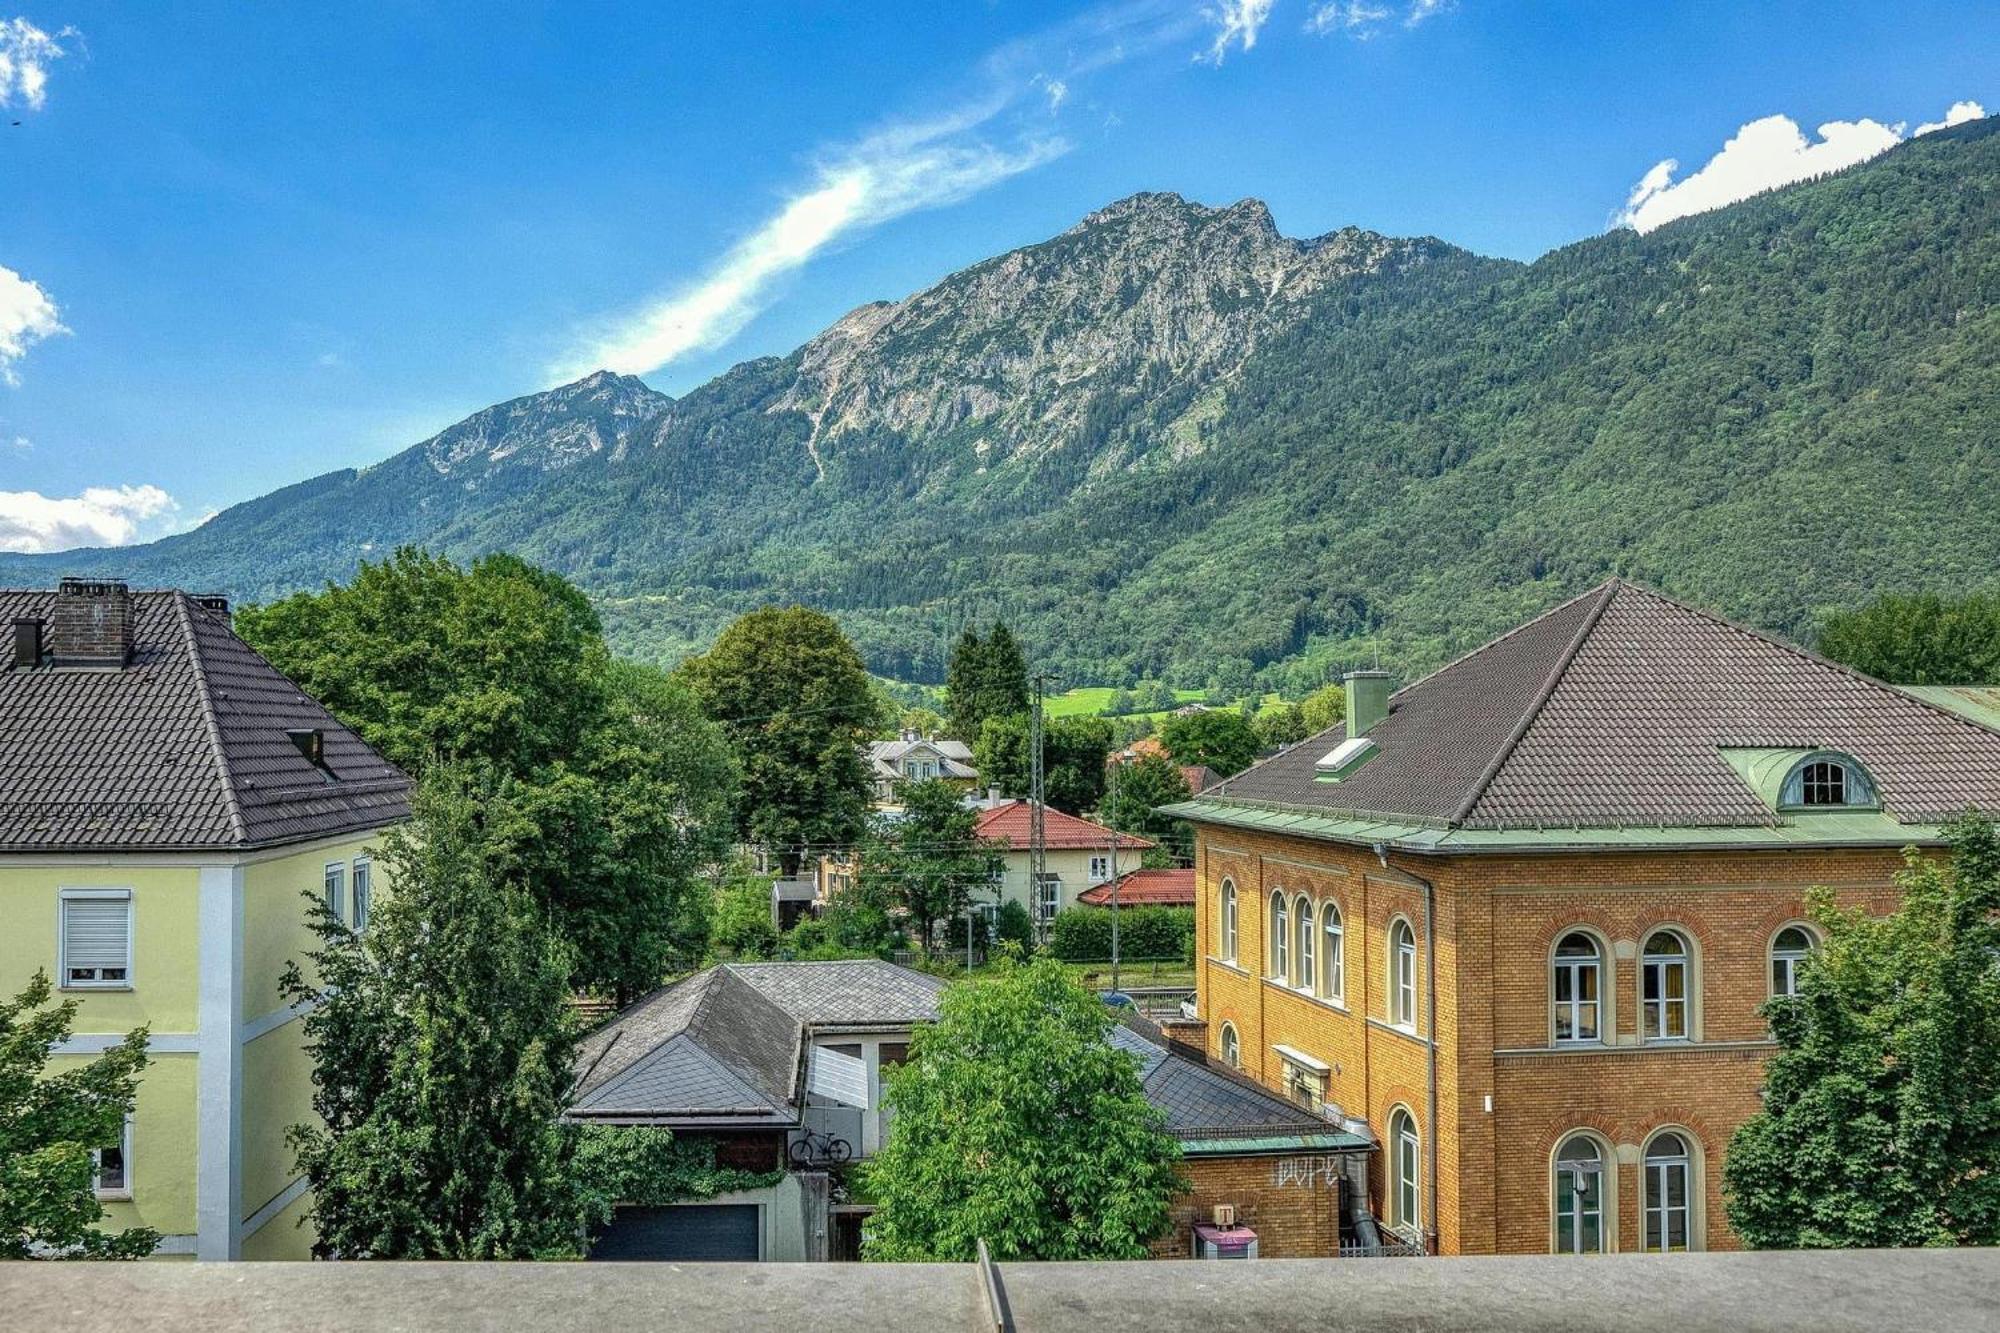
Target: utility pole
{"type": "Point", "coordinates": [1037, 852]}
{"type": "Point", "coordinates": [1117, 763]}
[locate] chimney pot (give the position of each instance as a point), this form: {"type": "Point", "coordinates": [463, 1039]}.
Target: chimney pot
{"type": "Point", "coordinates": [217, 605]}
{"type": "Point", "coordinates": [1367, 700]}
{"type": "Point", "coordinates": [27, 644]}
{"type": "Point", "coordinates": [92, 626]}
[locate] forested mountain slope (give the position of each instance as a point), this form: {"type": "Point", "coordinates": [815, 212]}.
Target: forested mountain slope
{"type": "Point", "coordinates": [1171, 437]}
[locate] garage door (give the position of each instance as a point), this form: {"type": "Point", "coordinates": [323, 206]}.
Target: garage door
{"type": "Point", "coordinates": [688, 1233]}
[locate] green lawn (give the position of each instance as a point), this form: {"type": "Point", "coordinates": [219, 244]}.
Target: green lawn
{"type": "Point", "coordinates": [1090, 700]}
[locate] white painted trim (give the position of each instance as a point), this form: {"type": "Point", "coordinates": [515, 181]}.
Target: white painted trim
{"type": "Point", "coordinates": [282, 1200]}
{"type": "Point", "coordinates": [18, 860]}
{"type": "Point", "coordinates": [219, 1077]}
{"type": "Point", "coordinates": [265, 1024]}
{"type": "Point", "coordinates": [180, 1244]}
{"type": "Point", "coordinates": [160, 1043]}
{"type": "Point", "coordinates": [1302, 1060]}
{"type": "Point", "coordinates": [69, 893]}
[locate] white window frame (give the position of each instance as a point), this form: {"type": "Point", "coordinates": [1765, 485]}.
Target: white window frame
{"type": "Point", "coordinates": [1653, 1013]}
{"type": "Point", "coordinates": [361, 892]}
{"type": "Point", "coordinates": [67, 896]}
{"type": "Point", "coordinates": [1657, 1168]}
{"type": "Point", "coordinates": [1048, 896]}
{"type": "Point", "coordinates": [1305, 954]}
{"type": "Point", "coordinates": [116, 1192]}
{"type": "Point", "coordinates": [1572, 967]}
{"type": "Point", "coordinates": [1567, 1199]}
{"type": "Point", "coordinates": [1232, 1045]}
{"type": "Point", "coordinates": [1304, 1079]}
{"type": "Point", "coordinates": [1100, 868]}
{"type": "Point", "coordinates": [1229, 918]}
{"type": "Point", "coordinates": [1277, 927]}
{"type": "Point", "coordinates": [1402, 974]}
{"type": "Point", "coordinates": [1333, 967]}
{"type": "Point", "coordinates": [1788, 960]}
{"type": "Point", "coordinates": [333, 889]}
{"type": "Point", "coordinates": [1406, 1166]}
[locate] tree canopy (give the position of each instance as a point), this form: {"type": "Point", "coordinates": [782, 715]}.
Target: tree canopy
{"type": "Point", "coordinates": [1221, 738]}
{"type": "Point", "coordinates": [791, 693]}
{"type": "Point", "coordinates": [1073, 757]}
{"type": "Point", "coordinates": [985, 678]}
{"type": "Point", "coordinates": [925, 859]}
{"type": "Point", "coordinates": [1880, 1123]}
{"type": "Point", "coordinates": [1132, 804]}
{"type": "Point", "coordinates": [1018, 1122]}
{"type": "Point", "coordinates": [52, 1124]}
{"type": "Point", "coordinates": [1919, 639]}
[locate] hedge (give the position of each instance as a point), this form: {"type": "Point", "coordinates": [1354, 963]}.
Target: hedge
{"type": "Point", "coordinates": [1083, 934]}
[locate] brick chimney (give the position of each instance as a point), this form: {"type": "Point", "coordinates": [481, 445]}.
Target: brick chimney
{"type": "Point", "coordinates": [217, 605]}
{"type": "Point", "coordinates": [92, 625]}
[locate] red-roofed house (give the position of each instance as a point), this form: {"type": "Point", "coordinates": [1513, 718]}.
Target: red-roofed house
{"type": "Point", "coordinates": [1076, 856]}
{"type": "Point", "coordinates": [1173, 887]}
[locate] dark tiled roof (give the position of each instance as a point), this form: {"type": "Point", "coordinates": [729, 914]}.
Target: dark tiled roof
{"type": "Point", "coordinates": [847, 993]}
{"type": "Point", "coordinates": [1613, 710]}
{"type": "Point", "coordinates": [1201, 1100]}
{"type": "Point", "coordinates": [185, 747]}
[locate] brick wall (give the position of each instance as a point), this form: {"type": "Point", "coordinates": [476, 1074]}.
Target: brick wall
{"type": "Point", "coordinates": [1291, 1200]}
{"type": "Point", "coordinates": [1497, 920]}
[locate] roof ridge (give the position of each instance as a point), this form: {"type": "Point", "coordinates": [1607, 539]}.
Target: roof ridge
{"type": "Point", "coordinates": [210, 724]}
{"type": "Point", "coordinates": [1466, 656]}
{"type": "Point", "coordinates": [1606, 593]}
{"type": "Point", "coordinates": [1809, 655]}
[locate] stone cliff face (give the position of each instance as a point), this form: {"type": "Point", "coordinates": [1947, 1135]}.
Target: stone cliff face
{"type": "Point", "coordinates": [547, 431]}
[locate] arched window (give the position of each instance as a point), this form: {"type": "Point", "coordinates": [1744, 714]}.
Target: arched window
{"type": "Point", "coordinates": [1303, 912]}
{"type": "Point", "coordinates": [1669, 1181]}
{"type": "Point", "coordinates": [1788, 950]}
{"type": "Point", "coordinates": [1277, 936]}
{"type": "Point", "coordinates": [1579, 1196]}
{"type": "Point", "coordinates": [1402, 975]}
{"type": "Point", "coordinates": [1229, 919]}
{"type": "Point", "coordinates": [1232, 1048]}
{"type": "Point", "coordinates": [1826, 780]}
{"type": "Point", "coordinates": [1405, 1174]}
{"type": "Point", "coordinates": [1333, 967]}
{"type": "Point", "coordinates": [1576, 990]}
{"type": "Point", "coordinates": [1664, 967]}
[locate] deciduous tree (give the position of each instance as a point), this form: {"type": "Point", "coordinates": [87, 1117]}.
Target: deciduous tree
{"type": "Point", "coordinates": [1921, 639]}
{"type": "Point", "coordinates": [1221, 738]}
{"type": "Point", "coordinates": [1073, 755]}
{"type": "Point", "coordinates": [1018, 1122]}
{"type": "Point", "coordinates": [926, 860]}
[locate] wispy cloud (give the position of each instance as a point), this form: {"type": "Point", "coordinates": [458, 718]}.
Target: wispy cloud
{"type": "Point", "coordinates": [1237, 23]}
{"type": "Point", "coordinates": [1055, 90]}
{"type": "Point", "coordinates": [1958, 114]}
{"type": "Point", "coordinates": [894, 171]}
{"type": "Point", "coordinates": [1363, 19]}
{"type": "Point", "coordinates": [1760, 156]}
{"type": "Point", "coordinates": [27, 315]}
{"type": "Point", "coordinates": [26, 52]}
{"type": "Point", "coordinates": [100, 516]}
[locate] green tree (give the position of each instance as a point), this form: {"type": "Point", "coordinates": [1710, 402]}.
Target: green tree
{"type": "Point", "coordinates": [1073, 755]}
{"type": "Point", "coordinates": [1221, 738]}
{"type": "Point", "coordinates": [1144, 785]}
{"type": "Point", "coordinates": [794, 698]}
{"type": "Point", "coordinates": [1279, 724]}
{"type": "Point", "coordinates": [500, 663]}
{"type": "Point", "coordinates": [743, 923]}
{"type": "Point", "coordinates": [984, 678]}
{"type": "Point", "coordinates": [1920, 639]}
{"type": "Point", "coordinates": [1323, 708]}
{"type": "Point", "coordinates": [1017, 1121]}
{"type": "Point", "coordinates": [50, 1127]}
{"type": "Point", "coordinates": [1880, 1122]}
{"type": "Point", "coordinates": [926, 861]}
{"type": "Point", "coordinates": [442, 1041]}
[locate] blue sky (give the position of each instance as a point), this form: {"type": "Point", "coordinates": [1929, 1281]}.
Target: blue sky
{"type": "Point", "coordinates": [246, 244]}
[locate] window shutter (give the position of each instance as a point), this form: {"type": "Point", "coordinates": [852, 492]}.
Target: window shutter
{"type": "Point", "coordinates": [97, 933]}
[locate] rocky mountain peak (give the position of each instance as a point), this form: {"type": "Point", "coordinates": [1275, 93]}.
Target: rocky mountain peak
{"type": "Point", "coordinates": [551, 429]}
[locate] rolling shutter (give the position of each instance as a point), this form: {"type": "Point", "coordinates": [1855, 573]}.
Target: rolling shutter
{"type": "Point", "coordinates": [97, 938]}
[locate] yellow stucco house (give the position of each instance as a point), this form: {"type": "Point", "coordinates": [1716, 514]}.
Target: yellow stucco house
{"type": "Point", "coordinates": [167, 799]}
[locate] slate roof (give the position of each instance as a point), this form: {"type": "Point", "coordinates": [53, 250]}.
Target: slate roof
{"type": "Point", "coordinates": [887, 757]}
{"type": "Point", "coordinates": [724, 1046]}
{"type": "Point", "coordinates": [1172, 887]}
{"type": "Point", "coordinates": [1008, 824]}
{"type": "Point", "coordinates": [1204, 1101]}
{"type": "Point", "coordinates": [183, 748]}
{"type": "Point", "coordinates": [1613, 711]}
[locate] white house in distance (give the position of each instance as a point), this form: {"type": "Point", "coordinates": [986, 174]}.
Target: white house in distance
{"type": "Point", "coordinates": [913, 757]}
{"type": "Point", "coordinates": [1077, 855]}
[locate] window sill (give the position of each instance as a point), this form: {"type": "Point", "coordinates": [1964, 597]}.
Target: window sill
{"type": "Point", "coordinates": [85, 987]}
{"type": "Point", "coordinates": [113, 1196]}
{"type": "Point", "coordinates": [1399, 1029]}
{"type": "Point", "coordinates": [1231, 964]}
{"type": "Point", "coordinates": [1338, 1006]}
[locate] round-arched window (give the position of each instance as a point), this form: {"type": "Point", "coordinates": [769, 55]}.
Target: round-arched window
{"type": "Point", "coordinates": [1579, 1196]}
{"type": "Point", "coordinates": [1232, 1048]}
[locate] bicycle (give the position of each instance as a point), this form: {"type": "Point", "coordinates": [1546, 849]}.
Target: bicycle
{"type": "Point", "coordinates": [815, 1149]}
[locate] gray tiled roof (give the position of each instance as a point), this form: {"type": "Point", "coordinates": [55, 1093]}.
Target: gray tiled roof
{"type": "Point", "coordinates": [848, 993]}
{"type": "Point", "coordinates": [1200, 1099]}
{"type": "Point", "coordinates": [185, 747]}
{"type": "Point", "coordinates": [1612, 710]}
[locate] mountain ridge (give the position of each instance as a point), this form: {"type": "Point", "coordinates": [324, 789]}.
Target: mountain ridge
{"type": "Point", "coordinates": [1169, 440]}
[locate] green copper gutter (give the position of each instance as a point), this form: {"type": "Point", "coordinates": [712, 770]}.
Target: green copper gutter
{"type": "Point", "coordinates": [1868, 828]}
{"type": "Point", "coordinates": [1240, 1146]}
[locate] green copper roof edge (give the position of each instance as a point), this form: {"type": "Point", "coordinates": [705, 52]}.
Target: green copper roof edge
{"type": "Point", "coordinates": [1857, 830]}
{"type": "Point", "coordinates": [1228, 1147]}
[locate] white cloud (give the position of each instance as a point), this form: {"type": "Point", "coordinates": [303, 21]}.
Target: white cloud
{"type": "Point", "coordinates": [1362, 20]}
{"type": "Point", "coordinates": [1959, 113]}
{"type": "Point", "coordinates": [1055, 90]}
{"type": "Point", "coordinates": [1423, 9]}
{"type": "Point", "coordinates": [27, 316]}
{"type": "Point", "coordinates": [1237, 23]}
{"type": "Point", "coordinates": [21, 445]}
{"type": "Point", "coordinates": [1761, 156]}
{"type": "Point", "coordinates": [26, 52]}
{"type": "Point", "coordinates": [100, 516]}
{"type": "Point", "coordinates": [895, 171]}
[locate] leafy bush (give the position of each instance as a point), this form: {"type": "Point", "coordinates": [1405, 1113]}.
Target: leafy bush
{"type": "Point", "coordinates": [1016, 927]}
{"type": "Point", "coordinates": [1083, 934]}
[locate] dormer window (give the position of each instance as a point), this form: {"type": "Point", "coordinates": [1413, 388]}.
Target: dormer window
{"type": "Point", "coordinates": [1827, 781]}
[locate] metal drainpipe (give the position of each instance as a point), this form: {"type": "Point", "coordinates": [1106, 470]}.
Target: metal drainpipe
{"type": "Point", "coordinates": [1431, 1000]}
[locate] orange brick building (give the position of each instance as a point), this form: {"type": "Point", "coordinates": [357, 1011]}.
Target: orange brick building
{"type": "Point", "coordinates": [1517, 920]}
